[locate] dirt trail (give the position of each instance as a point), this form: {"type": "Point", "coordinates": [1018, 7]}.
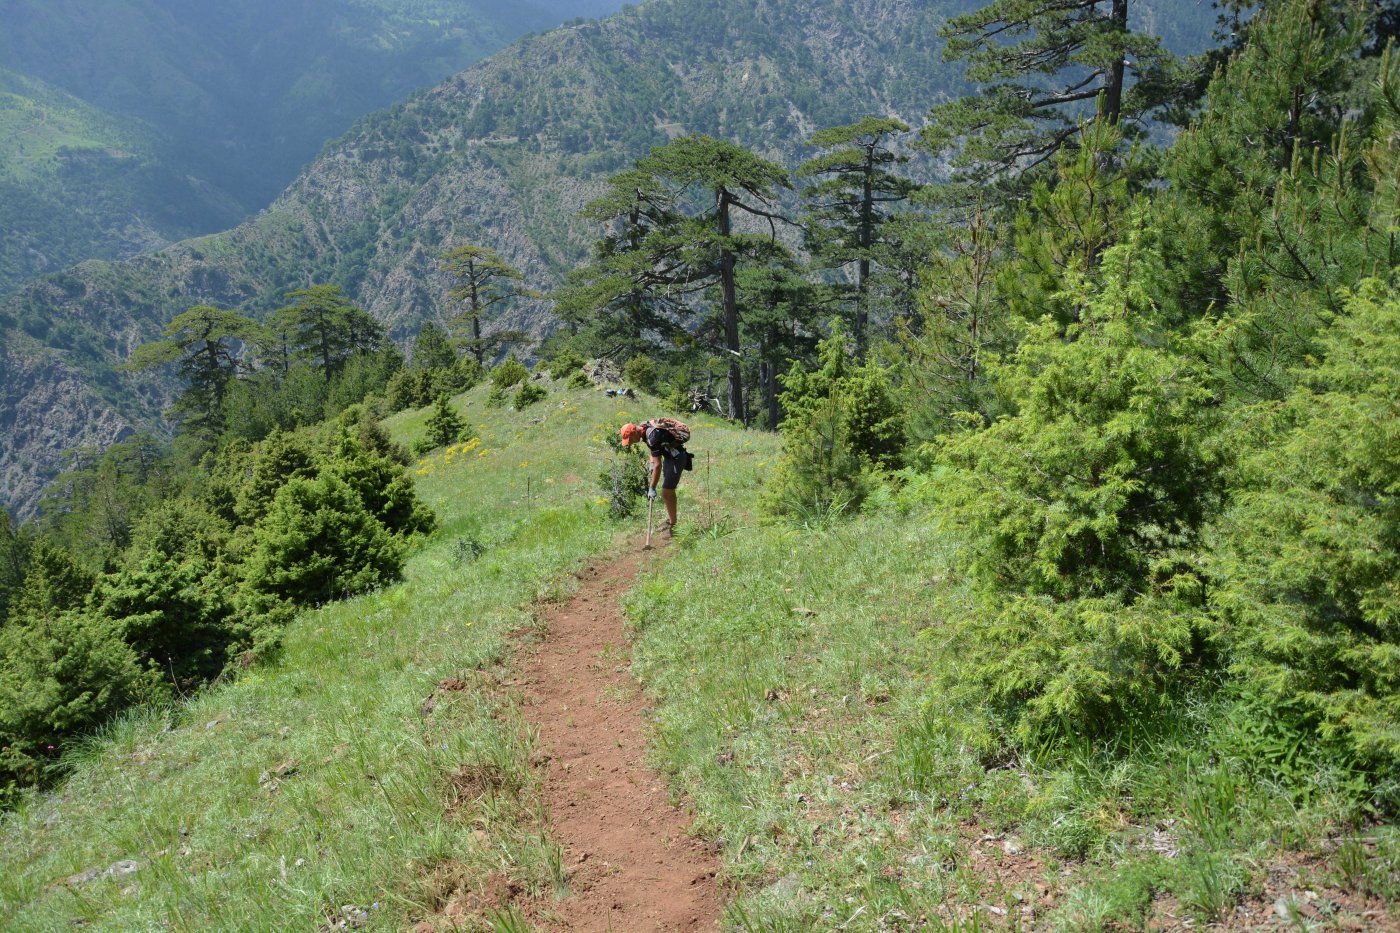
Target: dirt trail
{"type": "Point", "coordinates": [630, 864]}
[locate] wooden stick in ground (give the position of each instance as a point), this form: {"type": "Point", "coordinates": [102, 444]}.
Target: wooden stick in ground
{"type": "Point", "coordinates": [651, 505]}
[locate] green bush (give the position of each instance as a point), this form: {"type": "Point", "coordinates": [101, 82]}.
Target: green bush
{"type": "Point", "coordinates": [409, 388]}
{"type": "Point", "coordinates": [318, 542]}
{"type": "Point", "coordinates": [175, 614]}
{"type": "Point", "coordinates": [53, 584]}
{"type": "Point", "coordinates": [579, 380]}
{"type": "Point", "coordinates": [364, 424]}
{"type": "Point", "coordinates": [59, 677]}
{"type": "Point", "coordinates": [416, 388]}
{"type": "Point", "coordinates": [565, 364]}
{"type": "Point", "coordinates": [384, 488]}
{"type": "Point", "coordinates": [1312, 544]}
{"type": "Point", "coordinates": [463, 375]}
{"type": "Point", "coordinates": [843, 431]}
{"type": "Point", "coordinates": [623, 482]}
{"type": "Point", "coordinates": [445, 426]}
{"type": "Point", "coordinates": [529, 394]}
{"type": "Point", "coordinates": [276, 460]}
{"type": "Point", "coordinates": [640, 373]}
{"type": "Point", "coordinates": [1081, 513]}
{"type": "Point", "coordinates": [362, 376]}
{"type": "Point", "coordinates": [509, 374]}
{"type": "Point", "coordinates": [181, 528]}
{"type": "Point", "coordinates": [678, 402]}
{"type": "Point", "coordinates": [432, 349]}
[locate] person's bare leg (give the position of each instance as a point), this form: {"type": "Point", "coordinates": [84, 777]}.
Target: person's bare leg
{"type": "Point", "coordinates": [668, 496]}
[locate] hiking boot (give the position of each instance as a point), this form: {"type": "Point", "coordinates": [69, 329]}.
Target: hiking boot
{"type": "Point", "coordinates": [668, 530]}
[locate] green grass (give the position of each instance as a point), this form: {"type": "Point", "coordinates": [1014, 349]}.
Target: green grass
{"type": "Point", "coordinates": [790, 671]}
{"type": "Point", "coordinates": [38, 120]}
{"type": "Point", "coordinates": [789, 667]}
{"type": "Point", "coordinates": [317, 782]}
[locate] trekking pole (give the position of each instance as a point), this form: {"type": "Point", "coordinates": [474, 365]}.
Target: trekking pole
{"type": "Point", "coordinates": [709, 489]}
{"type": "Point", "coordinates": [651, 505]}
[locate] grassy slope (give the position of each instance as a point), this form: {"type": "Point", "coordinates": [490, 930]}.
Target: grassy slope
{"type": "Point", "coordinates": [37, 120]}
{"type": "Point", "coordinates": [364, 817]}
{"type": "Point", "coordinates": [63, 161]}
{"type": "Point", "coordinates": [788, 668]}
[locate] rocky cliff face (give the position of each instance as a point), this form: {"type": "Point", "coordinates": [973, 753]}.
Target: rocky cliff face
{"type": "Point", "coordinates": [47, 410]}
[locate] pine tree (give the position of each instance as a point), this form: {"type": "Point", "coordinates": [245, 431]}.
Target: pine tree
{"type": "Point", "coordinates": [327, 329]}
{"type": "Point", "coordinates": [445, 426]}
{"type": "Point", "coordinates": [93, 508]}
{"type": "Point", "coordinates": [203, 343]}
{"type": "Point", "coordinates": [1044, 66]}
{"type": "Point", "coordinates": [780, 324]}
{"type": "Point", "coordinates": [1067, 224]}
{"type": "Point", "coordinates": [276, 343]}
{"type": "Point", "coordinates": [627, 293]}
{"type": "Point", "coordinates": [685, 241]}
{"type": "Point", "coordinates": [1269, 193]}
{"type": "Point", "coordinates": [961, 326]}
{"type": "Point", "coordinates": [483, 281]}
{"type": "Point", "coordinates": [366, 374]}
{"type": "Point", "coordinates": [431, 350]}
{"type": "Point", "coordinates": [849, 203]}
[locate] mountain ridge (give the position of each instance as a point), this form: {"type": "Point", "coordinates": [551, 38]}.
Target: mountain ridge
{"type": "Point", "coordinates": [487, 155]}
{"type": "Point", "coordinates": [503, 154]}
{"type": "Point", "coordinates": [232, 101]}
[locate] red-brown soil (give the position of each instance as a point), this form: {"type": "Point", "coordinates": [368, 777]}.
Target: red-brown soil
{"type": "Point", "coordinates": [631, 864]}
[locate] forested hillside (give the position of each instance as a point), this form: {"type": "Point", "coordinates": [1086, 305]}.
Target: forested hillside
{"type": "Point", "coordinates": [1033, 563]}
{"type": "Point", "coordinates": [77, 181]}
{"type": "Point", "coordinates": [505, 154]}
{"type": "Point", "coordinates": [220, 106]}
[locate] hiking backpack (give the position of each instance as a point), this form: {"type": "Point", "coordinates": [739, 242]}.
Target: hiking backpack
{"type": "Point", "coordinates": [678, 430]}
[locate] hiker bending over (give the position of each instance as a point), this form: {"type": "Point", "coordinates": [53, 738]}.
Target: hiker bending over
{"type": "Point", "coordinates": [666, 438]}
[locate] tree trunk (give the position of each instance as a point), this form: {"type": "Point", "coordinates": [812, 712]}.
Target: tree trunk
{"type": "Point", "coordinates": [768, 386]}
{"type": "Point", "coordinates": [323, 334]}
{"type": "Point", "coordinates": [866, 237]}
{"type": "Point", "coordinates": [1113, 89]}
{"type": "Point", "coordinates": [478, 349]}
{"type": "Point", "coordinates": [731, 315]}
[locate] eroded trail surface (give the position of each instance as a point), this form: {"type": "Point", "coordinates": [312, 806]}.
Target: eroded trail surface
{"type": "Point", "coordinates": [630, 863]}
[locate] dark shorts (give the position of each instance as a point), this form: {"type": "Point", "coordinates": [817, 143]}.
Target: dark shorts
{"type": "Point", "coordinates": [670, 471]}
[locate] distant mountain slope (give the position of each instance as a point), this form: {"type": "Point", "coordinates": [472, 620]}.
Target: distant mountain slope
{"type": "Point", "coordinates": [232, 99]}
{"type": "Point", "coordinates": [503, 154]}
{"type": "Point", "coordinates": [77, 181]}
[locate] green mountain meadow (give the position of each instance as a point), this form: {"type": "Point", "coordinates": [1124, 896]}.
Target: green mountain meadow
{"type": "Point", "coordinates": [1028, 558]}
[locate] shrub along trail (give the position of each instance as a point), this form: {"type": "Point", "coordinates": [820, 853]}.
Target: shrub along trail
{"type": "Point", "coordinates": [631, 864]}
